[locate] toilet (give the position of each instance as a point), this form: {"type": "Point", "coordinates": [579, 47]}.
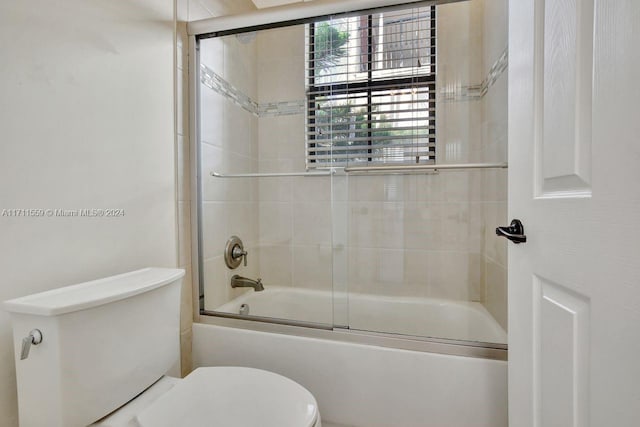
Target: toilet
{"type": "Point", "coordinates": [99, 354]}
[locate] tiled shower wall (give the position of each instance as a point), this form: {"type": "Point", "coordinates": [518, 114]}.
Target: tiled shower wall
{"type": "Point", "coordinates": [407, 235]}
{"type": "Point", "coordinates": [229, 144]}
{"type": "Point", "coordinates": [295, 212]}
{"type": "Point", "coordinates": [420, 235]}
{"type": "Point", "coordinates": [189, 10]}
{"type": "Point", "coordinates": [494, 141]}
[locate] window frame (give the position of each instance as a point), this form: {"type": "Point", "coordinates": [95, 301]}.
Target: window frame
{"type": "Point", "coordinates": [368, 86]}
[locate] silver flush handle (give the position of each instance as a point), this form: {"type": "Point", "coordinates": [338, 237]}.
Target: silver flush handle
{"type": "Point", "coordinates": [35, 338]}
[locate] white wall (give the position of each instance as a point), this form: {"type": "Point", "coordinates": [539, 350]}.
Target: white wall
{"type": "Point", "coordinates": [87, 119]}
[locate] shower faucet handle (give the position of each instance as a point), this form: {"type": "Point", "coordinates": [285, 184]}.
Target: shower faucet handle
{"type": "Point", "coordinates": [34, 338]}
{"type": "Point", "coordinates": [239, 252]}
{"type": "Point", "coordinates": [234, 252]}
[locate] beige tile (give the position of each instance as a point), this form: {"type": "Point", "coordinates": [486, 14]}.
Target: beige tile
{"type": "Point", "coordinates": [340, 188]}
{"type": "Point", "coordinates": [377, 225]}
{"type": "Point", "coordinates": [184, 233]}
{"type": "Point", "coordinates": [275, 165]}
{"type": "Point", "coordinates": [312, 223]}
{"type": "Point", "coordinates": [276, 265]}
{"type": "Point", "coordinates": [282, 137]}
{"type": "Point", "coordinates": [496, 292]}
{"type": "Point", "coordinates": [275, 190]}
{"type": "Point", "coordinates": [475, 237]}
{"type": "Point", "coordinates": [275, 219]}
{"type": "Point", "coordinates": [215, 228]}
{"type": "Point", "coordinates": [216, 285]}
{"type": "Point", "coordinates": [495, 247]}
{"type": "Point", "coordinates": [185, 352]}
{"type": "Point", "coordinates": [430, 188]}
{"type": "Point", "coordinates": [340, 224]}
{"type": "Point", "coordinates": [281, 43]}
{"type": "Point", "coordinates": [281, 79]}
{"type": "Point", "coordinates": [242, 221]}
{"type": "Point", "coordinates": [182, 40]}
{"type": "Point", "coordinates": [416, 268]}
{"type": "Point", "coordinates": [501, 244]}
{"type": "Point", "coordinates": [312, 189]}
{"type": "Point", "coordinates": [423, 226]}
{"type": "Point", "coordinates": [240, 65]}
{"type": "Point", "coordinates": [391, 271]}
{"type": "Point", "coordinates": [241, 189]}
{"type": "Point", "coordinates": [312, 267]}
{"type": "Point", "coordinates": [186, 298]}
{"type": "Point", "coordinates": [213, 159]}
{"type": "Point", "coordinates": [379, 272]}
{"type": "Point", "coordinates": [237, 132]}
{"type": "Point", "coordinates": [456, 186]}
{"type": "Point", "coordinates": [449, 275]}
{"type": "Point", "coordinates": [213, 112]}
{"type": "Point", "coordinates": [184, 169]}
{"type": "Point", "coordinates": [475, 277]}
{"type": "Point", "coordinates": [366, 188]}
{"type": "Point", "coordinates": [363, 268]}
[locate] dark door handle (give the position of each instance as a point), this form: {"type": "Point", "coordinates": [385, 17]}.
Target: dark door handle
{"type": "Point", "coordinates": [514, 232]}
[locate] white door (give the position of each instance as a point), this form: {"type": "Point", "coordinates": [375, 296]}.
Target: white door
{"type": "Point", "coordinates": [574, 182]}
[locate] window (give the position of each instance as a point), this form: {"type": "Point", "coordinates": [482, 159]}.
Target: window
{"type": "Point", "coordinates": [371, 89]}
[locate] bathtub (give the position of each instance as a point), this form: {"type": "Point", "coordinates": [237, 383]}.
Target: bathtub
{"type": "Point", "coordinates": [367, 380]}
{"type": "Point", "coordinates": [422, 317]}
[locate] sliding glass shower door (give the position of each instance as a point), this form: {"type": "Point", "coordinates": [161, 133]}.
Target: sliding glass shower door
{"type": "Point", "coordinates": [360, 161]}
{"type": "Point", "coordinates": [252, 115]}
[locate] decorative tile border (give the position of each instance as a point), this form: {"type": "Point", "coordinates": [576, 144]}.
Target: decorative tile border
{"type": "Point", "coordinates": [499, 67]}
{"type": "Point", "coordinates": [215, 82]}
{"type": "Point", "coordinates": [286, 108]}
{"type": "Point", "coordinates": [477, 92]}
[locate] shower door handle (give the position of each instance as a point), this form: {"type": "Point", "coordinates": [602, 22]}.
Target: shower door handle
{"type": "Point", "coordinates": [514, 232]}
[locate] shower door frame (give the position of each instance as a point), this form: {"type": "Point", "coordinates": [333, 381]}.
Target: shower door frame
{"type": "Point", "coordinates": [215, 27]}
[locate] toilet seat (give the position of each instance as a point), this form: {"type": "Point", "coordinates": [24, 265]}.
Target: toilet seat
{"type": "Point", "coordinates": [232, 397]}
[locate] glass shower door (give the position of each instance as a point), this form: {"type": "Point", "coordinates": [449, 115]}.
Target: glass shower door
{"type": "Point", "coordinates": [252, 116]}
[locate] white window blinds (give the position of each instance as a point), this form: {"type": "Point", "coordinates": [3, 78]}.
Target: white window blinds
{"type": "Point", "coordinates": [371, 89]}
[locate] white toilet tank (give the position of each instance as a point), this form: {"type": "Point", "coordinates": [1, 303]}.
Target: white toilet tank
{"type": "Point", "coordinates": [103, 342]}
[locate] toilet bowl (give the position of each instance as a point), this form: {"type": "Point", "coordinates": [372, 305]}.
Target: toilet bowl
{"type": "Point", "coordinates": [104, 348]}
{"type": "Point", "coordinates": [221, 397]}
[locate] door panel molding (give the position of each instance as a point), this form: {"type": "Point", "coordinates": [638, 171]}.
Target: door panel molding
{"type": "Point", "coordinates": [564, 32]}
{"type": "Point", "coordinates": [561, 346]}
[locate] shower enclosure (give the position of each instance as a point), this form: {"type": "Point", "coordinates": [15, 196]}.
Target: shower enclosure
{"type": "Point", "coordinates": [360, 159]}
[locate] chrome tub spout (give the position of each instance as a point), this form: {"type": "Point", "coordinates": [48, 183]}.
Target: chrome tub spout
{"type": "Point", "coordinates": [244, 282]}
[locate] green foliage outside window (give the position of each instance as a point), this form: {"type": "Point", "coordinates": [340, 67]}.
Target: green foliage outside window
{"type": "Point", "coordinates": [328, 45]}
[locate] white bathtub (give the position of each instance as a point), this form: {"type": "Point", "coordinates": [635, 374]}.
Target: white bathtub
{"type": "Point", "coordinates": [364, 385]}
{"type": "Point", "coordinates": [424, 317]}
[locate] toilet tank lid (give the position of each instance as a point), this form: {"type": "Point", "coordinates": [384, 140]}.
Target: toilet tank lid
{"type": "Point", "coordinates": [94, 293]}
